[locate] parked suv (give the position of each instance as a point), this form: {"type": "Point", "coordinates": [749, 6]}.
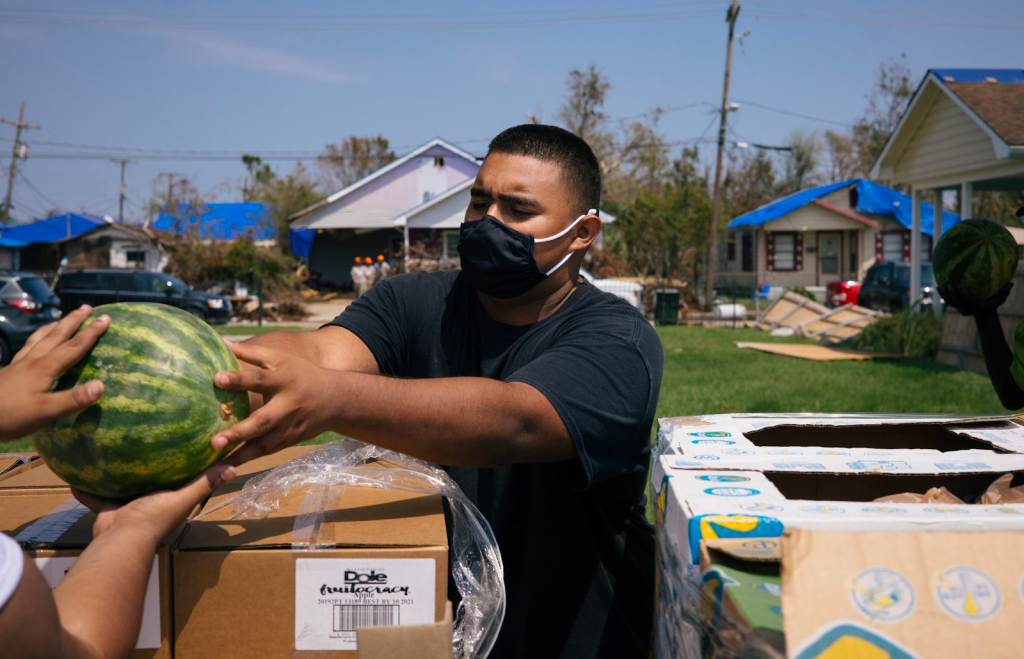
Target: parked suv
{"type": "Point", "coordinates": [887, 286]}
{"type": "Point", "coordinates": [26, 304]}
{"type": "Point", "coordinates": [97, 287]}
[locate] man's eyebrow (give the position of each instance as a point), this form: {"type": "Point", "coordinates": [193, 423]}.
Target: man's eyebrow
{"type": "Point", "coordinates": [478, 192]}
{"type": "Point", "coordinates": [519, 201]}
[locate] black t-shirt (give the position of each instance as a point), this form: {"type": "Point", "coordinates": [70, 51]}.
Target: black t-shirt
{"type": "Point", "coordinates": [577, 549]}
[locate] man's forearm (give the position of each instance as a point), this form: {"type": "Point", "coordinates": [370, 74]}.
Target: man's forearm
{"type": "Point", "coordinates": [99, 599]}
{"type": "Point", "coordinates": [469, 422]}
{"type": "Point", "coordinates": [998, 359]}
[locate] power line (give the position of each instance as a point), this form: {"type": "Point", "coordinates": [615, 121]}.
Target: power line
{"type": "Point", "coordinates": [795, 114]}
{"type": "Point", "coordinates": [37, 191]}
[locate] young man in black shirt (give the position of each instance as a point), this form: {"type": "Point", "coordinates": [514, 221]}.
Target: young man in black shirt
{"type": "Point", "coordinates": [534, 389]}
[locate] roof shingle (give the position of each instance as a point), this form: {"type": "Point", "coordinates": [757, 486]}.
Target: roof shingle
{"type": "Point", "coordinates": [1001, 106]}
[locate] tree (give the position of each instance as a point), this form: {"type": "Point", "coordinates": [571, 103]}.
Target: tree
{"type": "Point", "coordinates": [998, 205]}
{"type": "Point", "coordinates": [800, 162]}
{"type": "Point", "coordinates": [180, 200]}
{"type": "Point", "coordinates": [633, 155]}
{"type": "Point", "coordinates": [353, 158]}
{"type": "Point", "coordinates": [886, 103]}
{"type": "Point", "coordinates": [842, 159]}
{"type": "Point", "coordinates": [750, 182]}
{"type": "Point", "coordinates": [285, 196]}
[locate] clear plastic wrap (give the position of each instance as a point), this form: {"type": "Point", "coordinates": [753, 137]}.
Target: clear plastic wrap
{"type": "Point", "coordinates": [475, 560]}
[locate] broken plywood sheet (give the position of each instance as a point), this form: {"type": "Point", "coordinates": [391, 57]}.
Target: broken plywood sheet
{"type": "Point", "coordinates": [813, 352]}
{"type": "Point", "coordinates": [790, 310]}
{"type": "Point", "coordinates": [839, 324]}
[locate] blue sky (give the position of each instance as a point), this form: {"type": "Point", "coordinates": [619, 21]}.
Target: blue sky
{"type": "Point", "coordinates": [213, 77]}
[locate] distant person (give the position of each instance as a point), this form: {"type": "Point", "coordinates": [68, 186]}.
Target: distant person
{"type": "Point", "coordinates": [383, 267]}
{"type": "Point", "coordinates": [96, 610]}
{"type": "Point", "coordinates": [535, 390]}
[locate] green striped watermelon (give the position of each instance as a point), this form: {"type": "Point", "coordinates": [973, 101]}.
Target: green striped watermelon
{"type": "Point", "coordinates": [975, 258]}
{"type": "Point", "coordinates": [152, 427]}
{"type": "Point", "coordinates": [1017, 366]}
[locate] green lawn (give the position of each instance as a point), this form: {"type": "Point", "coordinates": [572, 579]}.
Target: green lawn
{"type": "Point", "coordinates": [705, 373]}
{"type": "Point", "coordinates": [252, 330]}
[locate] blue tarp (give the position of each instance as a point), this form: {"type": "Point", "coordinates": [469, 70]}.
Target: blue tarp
{"type": "Point", "coordinates": [871, 198]}
{"type": "Point", "coordinates": [221, 222]}
{"type": "Point", "coordinates": [302, 241]}
{"type": "Point", "coordinates": [1001, 76]}
{"type": "Point", "coordinates": [53, 229]}
{"type": "Point", "coordinates": [10, 243]}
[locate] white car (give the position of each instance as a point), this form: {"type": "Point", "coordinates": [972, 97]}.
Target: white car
{"type": "Point", "coordinates": [628, 291]}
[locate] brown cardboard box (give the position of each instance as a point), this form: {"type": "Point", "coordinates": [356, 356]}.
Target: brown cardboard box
{"type": "Point", "coordinates": [433, 641]}
{"type": "Point", "coordinates": [902, 594]}
{"type": "Point", "coordinates": [54, 529]}
{"type": "Point", "coordinates": [286, 583]}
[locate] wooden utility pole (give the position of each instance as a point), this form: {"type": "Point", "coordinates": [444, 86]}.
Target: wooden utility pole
{"type": "Point", "coordinates": [120, 205]}
{"type": "Point", "coordinates": [716, 201]}
{"type": "Point", "coordinates": [169, 209]}
{"type": "Point", "coordinates": [18, 126]}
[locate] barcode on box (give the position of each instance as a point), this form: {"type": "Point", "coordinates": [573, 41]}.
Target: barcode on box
{"type": "Point", "coordinates": [349, 616]}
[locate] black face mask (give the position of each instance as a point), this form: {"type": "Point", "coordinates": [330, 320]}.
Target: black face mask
{"type": "Point", "coordinates": [499, 260]}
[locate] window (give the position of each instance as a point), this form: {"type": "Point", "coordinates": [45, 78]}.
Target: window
{"type": "Point", "coordinates": [78, 282]}
{"type": "Point", "coordinates": [785, 251]}
{"type": "Point", "coordinates": [747, 249]}
{"type": "Point", "coordinates": [136, 258]}
{"type": "Point", "coordinates": [451, 245]}
{"type": "Point", "coordinates": [148, 284]}
{"type": "Point", "coordinates": [438, 161]}
{"type": "Point", "coordinates": [35, 287]}
{"type": "Point", "coordinates": [731, 247]}
{"type": "Point", "coordinates": [892, 247]}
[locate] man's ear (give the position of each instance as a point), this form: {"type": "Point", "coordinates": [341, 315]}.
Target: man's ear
{"type": "Point", "coordinates": [586, 232]}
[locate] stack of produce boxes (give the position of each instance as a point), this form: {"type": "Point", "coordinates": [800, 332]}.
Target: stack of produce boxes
{"type": "Point", "coordinates": [749, 478]}
{"type": "Point", "coordinates": [295, 579]}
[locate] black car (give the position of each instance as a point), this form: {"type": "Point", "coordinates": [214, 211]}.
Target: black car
{"type": "Point", "coordinates": [26, 304]}
{"type": "Point", "coordinates": [887, 286]}
{"type": "Point", "coordinates": [96, 287]}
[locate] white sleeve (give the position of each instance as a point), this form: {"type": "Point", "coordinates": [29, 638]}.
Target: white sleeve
{"type": "Point", "coordinates": [12, 561]}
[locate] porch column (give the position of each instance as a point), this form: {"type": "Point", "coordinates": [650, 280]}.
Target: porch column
{"type": "Point", "coordinates": [936, 234]}
{"type": "Point", "coordinates": [915, 245]}
{"type": "Point", "coordinates": [405, 248]}
{"type": "Point", "coordinates": [966, 200]}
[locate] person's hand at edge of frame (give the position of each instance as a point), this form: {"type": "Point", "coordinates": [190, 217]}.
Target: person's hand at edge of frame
{"type": "Point", "coordinates": [27, 403]}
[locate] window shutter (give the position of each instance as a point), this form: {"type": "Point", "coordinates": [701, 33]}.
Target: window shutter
{"type": "Point", "coordinates": [798, 256]}
{"type": "Point", "coordinates": [879, 251]}
{"type": "Point", "coordinates": [769, 251]}
{"type": "Point", "coordinates": [906, 246]}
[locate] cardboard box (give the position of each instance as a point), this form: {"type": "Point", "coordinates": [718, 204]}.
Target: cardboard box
{"type": "Point", "coordinates": [741, 593]}
{"type": "Point", "coordinates": [902, 595]}
{"type": "Point", "coordinates": [54, 529]}
{"type": "Point", "coordinates": [304, 576]}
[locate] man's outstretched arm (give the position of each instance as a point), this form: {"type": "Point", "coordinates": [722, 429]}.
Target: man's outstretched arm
{"type": "Point", "coordinates": [464, 421]}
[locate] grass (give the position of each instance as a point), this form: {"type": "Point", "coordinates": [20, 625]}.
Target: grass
{"type": "Point", "coordinates": [252, 330]}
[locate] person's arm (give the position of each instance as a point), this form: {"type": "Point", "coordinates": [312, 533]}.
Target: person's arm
{"type": "Point", "coordinates": [462, 421]}
{"type": "Point", "coordinates": [96, 610]}
{"type": "Point", "coordinates": [998, 355]}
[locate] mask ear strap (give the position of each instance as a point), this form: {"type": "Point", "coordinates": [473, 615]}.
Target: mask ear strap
{"type": "Point", "coordinates": [564, 231]}
{"type": "Point", "coordinates": [560, 264]}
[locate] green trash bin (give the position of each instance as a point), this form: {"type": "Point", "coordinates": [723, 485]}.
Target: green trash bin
{"type": "Point", "coordinates": [666, 306]}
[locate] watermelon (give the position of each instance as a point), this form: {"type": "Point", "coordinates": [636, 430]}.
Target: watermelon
{"type": "Point", "coordinates": [152, 427]}
{"type": "Point", "coordinates": [975, 259]}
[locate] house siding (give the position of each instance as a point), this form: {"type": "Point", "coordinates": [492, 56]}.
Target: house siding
{"type": "Point", "coordinates": [947, 141]}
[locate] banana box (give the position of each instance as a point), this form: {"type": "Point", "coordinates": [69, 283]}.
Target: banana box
{"type": "Point", "coordinates": [761, 499]}
{"type": "Point", "coordinates": [731, 434]}
{"type": "Point", "coordinates": [902, 595]}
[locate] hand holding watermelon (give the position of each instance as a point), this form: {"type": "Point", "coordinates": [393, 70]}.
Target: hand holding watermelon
{"type": "Point", "coordinates": [26, 401]}
{"type": "Point", "coordinates": [974, 263]}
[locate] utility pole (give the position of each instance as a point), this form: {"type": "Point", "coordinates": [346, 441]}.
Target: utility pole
{"type": "Point", "coordinates": [18, 127]}
{"type": "Point", "coordinates": [716, 201]}
{"type": "Point", "coordinates": [120, 205]}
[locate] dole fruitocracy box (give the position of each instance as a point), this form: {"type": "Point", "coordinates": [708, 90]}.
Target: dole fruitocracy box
{"type": "Point", "coordinates": [754, 476]}
{"type": "Point", "coordinates": [303, 577]}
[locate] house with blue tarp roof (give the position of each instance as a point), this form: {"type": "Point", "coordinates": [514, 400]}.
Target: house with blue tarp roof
{"type": "Point", "coordinates": [831, 232]}
{"type": "Point", "coordinates": [220, 222]}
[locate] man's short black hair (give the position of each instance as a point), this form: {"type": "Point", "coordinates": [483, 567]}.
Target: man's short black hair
{"type": "Point", "coordinates": [553, 144]}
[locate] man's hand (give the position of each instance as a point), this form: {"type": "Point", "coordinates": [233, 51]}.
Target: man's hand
{"type": "Point", "coordinates": [26, 403]}
{"type": "Point", "coordinates": [294, 402]}
{"type": "Point", "coordinates": [157, 514]}
{"type": "Point", "coordinates": [969, 306]}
